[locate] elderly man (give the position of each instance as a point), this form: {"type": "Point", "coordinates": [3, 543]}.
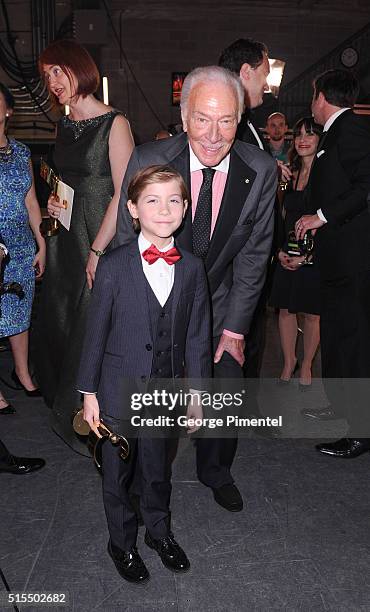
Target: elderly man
{"type": "Point", "coordinates": [338, 196]}
{"type": "Point", "coordinates": [229, 225]}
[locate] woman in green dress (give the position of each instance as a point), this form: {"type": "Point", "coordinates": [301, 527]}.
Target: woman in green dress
{"type": "Point", "coordinates": [92, 149]}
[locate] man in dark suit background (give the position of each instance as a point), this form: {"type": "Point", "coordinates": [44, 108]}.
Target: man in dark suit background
{"type": "Point", "coordinates": [248, 59]}
{"type": "Point", "coordinates": [229, 225]}
{"type": "Point", "coordinates": [338, 191]}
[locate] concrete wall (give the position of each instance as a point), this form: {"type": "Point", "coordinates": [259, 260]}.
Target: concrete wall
{"type": "Point", "coordinates": [160, 37]}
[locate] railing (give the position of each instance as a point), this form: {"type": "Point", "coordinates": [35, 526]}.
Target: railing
{"type": "Point", "coordinates": [295, 97]}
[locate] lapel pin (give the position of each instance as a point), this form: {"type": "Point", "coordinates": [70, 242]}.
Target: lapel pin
{"type": "Point", "coordinates": [246, 180]}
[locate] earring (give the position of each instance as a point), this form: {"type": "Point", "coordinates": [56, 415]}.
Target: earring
{"type": "Point", "coordinates": [6, 114]}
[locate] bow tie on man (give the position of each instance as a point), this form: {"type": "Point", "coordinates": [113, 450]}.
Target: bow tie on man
{"type": "Point", "coordinates": [152, 254]}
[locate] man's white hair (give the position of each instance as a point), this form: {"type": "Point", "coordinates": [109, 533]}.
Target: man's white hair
{"type": "Point", "coordinates": [212, 74]}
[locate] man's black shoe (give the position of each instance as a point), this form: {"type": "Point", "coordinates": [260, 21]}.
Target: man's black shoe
{"type": "Point", "coordinates": [128, 563]}
{"type": "Point", "coordinates": [172, 555]}
{"type": "Point", "coordinates": [348, 448]}
{"type": "Point", "coordinates": [321, 414]}
{"type": "Point", "coordinates": [22, 465]}
{"type": "Point", "coordinates": [228, 497]}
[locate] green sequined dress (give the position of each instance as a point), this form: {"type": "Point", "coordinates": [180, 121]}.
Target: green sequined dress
{"type": "Point", "coordinates": [82, 161]}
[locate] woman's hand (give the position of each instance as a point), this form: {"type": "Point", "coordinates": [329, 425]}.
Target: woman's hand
{"type": "Point", "coordinates": [39, 262]}
{"type": "Point", "coordinates": [284, 172]}
{"type": "Point", "coordinates": [54, 206]}
{"type": "Point", "coordinates": [92, 262]}
{"type": "Point", "coordinates": [290, 263]}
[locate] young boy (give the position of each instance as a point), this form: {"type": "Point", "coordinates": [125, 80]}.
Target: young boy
{"type": "Point", "coordinates": [149, 319]}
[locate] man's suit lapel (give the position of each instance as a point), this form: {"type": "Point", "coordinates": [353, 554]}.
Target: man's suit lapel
{"type": "Point", "coordinates": [329, 138]}
{"type": "Point", "coordinates": [184, 235]}
{"type": "Point", "coordinates": [245, 134]}
{"type": "Point", "coordinates": [238, 185]}
{"type": "Point", "coordinates": [138, 284]}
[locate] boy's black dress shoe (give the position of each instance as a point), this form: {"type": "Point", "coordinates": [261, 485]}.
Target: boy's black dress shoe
{"type": "Point", "coordinates": [21, 465]}
{"type": "Point", "coordinates": [171, 554]}
{"type": "Point", "coordinates": [348, 448]}
{"type": "Point", "coordinates": [228, 497]}
{"type": "Point", "coordinates": [128, 563]}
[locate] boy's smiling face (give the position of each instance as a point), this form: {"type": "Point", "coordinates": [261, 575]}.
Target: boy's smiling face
{"type": "Point", "coordinates": [160, 209]}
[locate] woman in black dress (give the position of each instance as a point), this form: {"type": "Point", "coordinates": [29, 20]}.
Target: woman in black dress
{"type": "Point", "coordinates": [92, 149]}
{"type": "Point", "coordinates": [295, 287]}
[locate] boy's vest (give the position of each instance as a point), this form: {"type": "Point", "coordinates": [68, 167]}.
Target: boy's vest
{"type": "Point", "coordinates": [161, 325]}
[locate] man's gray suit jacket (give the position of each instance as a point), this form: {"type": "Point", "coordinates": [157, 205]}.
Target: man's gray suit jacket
{"type": "Point", "coordinates": [241, 242]}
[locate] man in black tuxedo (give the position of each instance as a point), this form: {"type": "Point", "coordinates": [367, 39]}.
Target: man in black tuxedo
{"type": "Point", "coordinates": [233, 186]}
{"type": "Point", "coordinates": [248, 59]}
{"type": "Point", "coordinates": [338, 193]}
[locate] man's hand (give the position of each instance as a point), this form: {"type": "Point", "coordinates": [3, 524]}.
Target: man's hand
{"type": "Point", "coordinates": [91, 412]}
{"type": "Point", "coordinates": [194, 411]}
{"type": "Point", "coordinates": [305, 223]}
{"type": "Point", "coordinates": [233, 346]}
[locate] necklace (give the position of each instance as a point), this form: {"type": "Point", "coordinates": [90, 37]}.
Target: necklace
{"type": "Point", "coordinates": [6, 151]}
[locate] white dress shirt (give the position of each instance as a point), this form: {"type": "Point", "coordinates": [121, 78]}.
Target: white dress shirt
{"type": "Point", "coordinates": [328, 125]}
{"type": "Point", "coordinates": [160, 275]}
{"type": "Point", "coordinates": [333, 117]}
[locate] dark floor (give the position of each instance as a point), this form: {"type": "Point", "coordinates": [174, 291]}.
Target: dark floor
{"type": "Point", "coordinates": [301, 543]}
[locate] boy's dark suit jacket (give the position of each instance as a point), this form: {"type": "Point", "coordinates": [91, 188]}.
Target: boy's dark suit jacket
{"type": "Point", "coordinates": [118, 342]}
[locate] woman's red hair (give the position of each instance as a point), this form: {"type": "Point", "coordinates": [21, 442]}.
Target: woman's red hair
{"type": "Point", "coordinates": [73, 59]}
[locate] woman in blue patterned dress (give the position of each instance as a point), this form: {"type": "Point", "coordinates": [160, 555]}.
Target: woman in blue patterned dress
{"type": "Point", "coordinates": [20, 219]}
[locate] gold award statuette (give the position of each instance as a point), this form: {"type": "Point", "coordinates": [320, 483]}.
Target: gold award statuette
{"type": "Point", "coordinates": [94, 443]}
{"type": "Point", "coordinates": [49, 227]}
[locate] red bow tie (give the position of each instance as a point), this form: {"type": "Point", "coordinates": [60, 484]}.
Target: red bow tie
{"type": "Point", "coordinates": [152, 254]}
